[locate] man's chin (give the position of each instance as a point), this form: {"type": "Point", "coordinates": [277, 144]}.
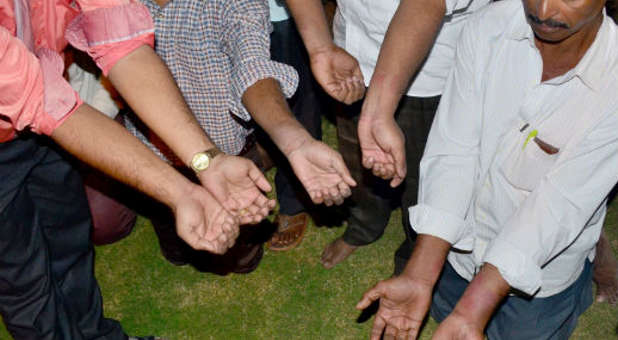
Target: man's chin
{"type": "Point", "coordinates": [551, 37]}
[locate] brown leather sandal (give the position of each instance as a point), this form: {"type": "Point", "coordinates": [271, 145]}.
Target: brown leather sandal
{"type": "Point", "coordinates": [290, 231]}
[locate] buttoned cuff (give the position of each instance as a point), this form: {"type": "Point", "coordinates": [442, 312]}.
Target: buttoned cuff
{"type": "Point", "coordinates": [60, 100]}
{"type": "Point", "coordinates": [251, 72]}
{"type": "Point", "coordinates": [517, 268]}
{"type": "Point", "coordinates": [109, 34]}
{"type": "Point", "coordinates": [425, 219]}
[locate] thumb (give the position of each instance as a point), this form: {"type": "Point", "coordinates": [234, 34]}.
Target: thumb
{"type": "Point", "coordinates": [342, 170]}
{"type": "Point", "coordinates": [258, 178]}
{"type": "Point", "coordinates": [399, 157]}
{"type": "Point", "coordinates": [369, 297]}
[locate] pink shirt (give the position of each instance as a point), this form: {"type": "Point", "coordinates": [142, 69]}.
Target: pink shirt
{"type": "Point", "coordinates": [33, 93]}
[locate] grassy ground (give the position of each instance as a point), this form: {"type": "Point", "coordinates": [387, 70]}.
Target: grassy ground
{"type": "Point", "coordinates": [290, 296]}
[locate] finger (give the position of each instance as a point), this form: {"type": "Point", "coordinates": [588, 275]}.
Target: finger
{"type": "Point", "coordinates": [253, 209]}
{"type": "Point", "coordinates": [359, 89]}
{"type": "Point", "coordinates": [390, 332]}
{"type": "Point", "coordinates": [344, 189]}
{"type": "Point", "coordinates": [316, 196]}
{"type": "Point", "coordinates": [264, 212]}
{"type": "Point", "coordinates": [368, 162]}
{"type": "Point", "coordinates": [377, 169]}
{"type": "Point", "coordinates": [351, 95]}
{"type": "Point", "coordinates": [389, 168]}
{"type": "Point", "coordinates": [270, 205]}
{"type": "Point", "coordinates": [328, 200]}
{"type": "Point", "coordinates": [228, 228]}
{"type": "Point", "coordinates": [199, 243]}
{"type": "Point", "coordinates": [336, 91]}
{"type": "Point", "coordinates": [396, 181]}
{"type": "Point", "coordinates": [228, 242]}
{"type": "Point", "coordinates": [257, 218]}
{"type": "Point", "coordinates": [244, 216]}
{"type": "Point", "coordinates": [335, 195]}
{"type": "Point", "coordinates": [258, 178]}
{"type": "Point", "coordinates": [235, 231]}
{"type": "Point", "coordinates": [246, 219]}
{"type": "Point", "coordinates": [399, 157]}
{"type": "Point", "coordinates": [338, 200]}
{"type": "Point", "coordinates": [413, 332]}
{"type": "Point", "coordinates": [378, 328]}
{"type": "Point", "coordinates": [264, 203]}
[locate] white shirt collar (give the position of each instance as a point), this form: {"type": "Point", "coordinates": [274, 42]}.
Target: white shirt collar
{"type": "Point", "coordinates": [591, 68]}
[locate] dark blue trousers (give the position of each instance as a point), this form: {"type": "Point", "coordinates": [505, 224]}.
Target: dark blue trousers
{"type": "Point", "coordinates": [521, 318]}
{"type": "Point", "coordinates": [47, 284]}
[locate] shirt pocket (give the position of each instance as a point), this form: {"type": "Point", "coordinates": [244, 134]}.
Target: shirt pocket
{"type": "Point", "coordinates": [528, 162]}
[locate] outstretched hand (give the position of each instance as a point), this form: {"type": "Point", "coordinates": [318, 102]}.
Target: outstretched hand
{"type": "Point", "coordinates": [338, 73]}
{"type": "Point", "coordinates": [403, 305]}
{"type": "Point", "coordinates": [237, 184]}
{"type": "Point", "coordinates": [383, 148]}
{"type": "Point", "coordinates": [322, 172]}
{"type": "Point", "coordinates": [203, 223]}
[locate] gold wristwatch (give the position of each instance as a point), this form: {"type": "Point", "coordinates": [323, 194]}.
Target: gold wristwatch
{"type": "Point", "coordinates": [201, 160]}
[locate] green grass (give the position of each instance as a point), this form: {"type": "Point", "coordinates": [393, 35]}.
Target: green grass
{"type": "Point", "coordinates": [290, 295]}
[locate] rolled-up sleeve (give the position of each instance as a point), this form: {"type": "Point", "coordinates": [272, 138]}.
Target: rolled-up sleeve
{"type": "Point", "coordinates": [557, 211]}
{"type": "Point", "coordinates": [246, 39]}
{"type": "Point", "coordinates": [108, 30]}
{"type": "Point", "coordinates": [449, 165]}
{"type": "Point", "coordinates": [33, 93]}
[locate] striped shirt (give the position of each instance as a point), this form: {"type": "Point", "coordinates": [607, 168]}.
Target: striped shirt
{"type": "Point", "coordinates": [215, 50]}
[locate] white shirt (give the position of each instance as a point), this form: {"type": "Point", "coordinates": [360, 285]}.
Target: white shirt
{"type": "Point", "coordinates": [360, 25]}
{"type": "Point", "coordinates": [488, 188]}
{"type": "Point", "coordinates": [91, 91]}
{"type": "Point", "coordinates": [277, 12]}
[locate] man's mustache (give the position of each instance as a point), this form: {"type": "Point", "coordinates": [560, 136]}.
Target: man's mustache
{"type": "Point", "coordinates": [549, 22]}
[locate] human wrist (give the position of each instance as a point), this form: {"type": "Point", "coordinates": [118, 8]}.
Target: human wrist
{"type": "Point", "coordinates": [380, 101]}
{"type": "Point", "coordinates": [482, 296]}
{"type": "Point", "coordinates": [319, 46]}
{"type": "Point", "coordinates": [203, 160]}
{"type": "Point", "coordinates": [427, 260]}
{"type": "Point", "coordinates": [290, 137]}
{"type": "Point", "coordinates": [179, 188]}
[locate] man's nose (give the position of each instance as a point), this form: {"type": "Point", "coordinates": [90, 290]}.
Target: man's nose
{"type": "Point", "coordinates": [547, 9]}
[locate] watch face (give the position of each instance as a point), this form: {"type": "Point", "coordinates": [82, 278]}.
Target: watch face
{"type": "Point", "coordinates": [200, 161]}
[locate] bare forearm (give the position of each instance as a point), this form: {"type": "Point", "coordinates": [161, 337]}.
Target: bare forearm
{"type": "Point", "coordinates": [482, 296]}
{"type": "Point", "coordinates": [149, 88]}
{"type": "Point", "coordinates": [409, 38]}
{"type": "Point", "coordinates": [427, 259]}
{"type": "Point", "coordinates": [311, 23]}
{"type": "Point", "coordinates": [107, 146]}
{"type": "Point", "coordinates": [270, 110]}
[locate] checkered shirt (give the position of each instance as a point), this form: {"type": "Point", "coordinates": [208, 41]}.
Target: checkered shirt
{"type": "Point", "coordinates": [215, 50]}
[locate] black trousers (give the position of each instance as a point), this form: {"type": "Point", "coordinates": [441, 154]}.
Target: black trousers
{"type": "Point", "coordinates": [287, 47]}
{"type": "Point", "coordinates": [373, 199]}
{"type": "Point", "coordinates": [47, 284]}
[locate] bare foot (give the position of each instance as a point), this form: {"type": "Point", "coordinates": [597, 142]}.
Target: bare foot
{"type": "Point", "coordinates": [336, 252]}
{"type": "Point", "coordinates": [605, 272]}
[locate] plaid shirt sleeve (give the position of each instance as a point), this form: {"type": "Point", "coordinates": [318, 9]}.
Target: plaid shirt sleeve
{"type": "Point", "coordinates": [246, 39]}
